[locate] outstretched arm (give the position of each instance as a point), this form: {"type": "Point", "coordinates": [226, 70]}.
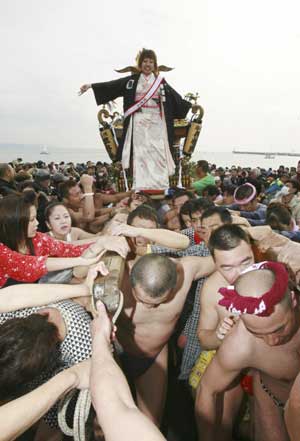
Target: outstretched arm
{"type": "Point", "coordinates": [20, 414]}
{"type": "Point", "coordinates": [111, 395]}
{"type": "Point", "coordinates": [160, 236]}
{"type": "Point", "coordinates": [28, 295]}
{"type": "Point", "coordinates": [84, 88]}
{"type": "Point", "coordinates": [198, 266]}
{"type": "Point", "coordinates": [104, 243]}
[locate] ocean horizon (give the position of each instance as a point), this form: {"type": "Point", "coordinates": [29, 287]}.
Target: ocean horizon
{"type": "Point", "coordinates": [28, 153]}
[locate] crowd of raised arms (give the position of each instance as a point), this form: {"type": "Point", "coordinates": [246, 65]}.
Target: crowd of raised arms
{"type": "Point", "coordinates": [207, 344]}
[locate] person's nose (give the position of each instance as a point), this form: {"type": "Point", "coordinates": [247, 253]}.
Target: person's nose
{"type": "Point", "coordinates": [235, 274]}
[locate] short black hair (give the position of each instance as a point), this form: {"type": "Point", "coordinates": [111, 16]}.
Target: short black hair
{"type": "Point", "coordinates": [229, 189]}
{"type": "Point", "coordinates": [191, 206]}
{"type": "Point", "coordinates": [226, 238]}
{"type": "Point", "coordinates": [245, 191]}
{"type": "Point", "coordinates": [201, 204]}
{"type": "Point", "coordinates": [278, 216]}
{"type": "Point", "coordinates": [211, 190]}
{"type": "Point", "coordinates": [203, 164]}
{"type": "Point", "coordinates": [179, 192]}
{"type": "Point", "coordinates": [144, 212]}
{"type": "Point", "coordinates": [224, 214]}
{"type": "Point", "coordinates": [64, 188]}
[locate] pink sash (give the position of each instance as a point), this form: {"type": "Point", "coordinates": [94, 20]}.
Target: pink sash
{"type": "Point", "coordinates": [148, 95]}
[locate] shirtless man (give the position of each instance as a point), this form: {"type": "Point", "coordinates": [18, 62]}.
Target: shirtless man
{"type": "Point", "coordinates": [231, 249]}
{"type": "Point", "coordinates": [82, 205]}
{"type": "Point", "coordinates": [232, 252]}
{"type": "Point", "coordinates": [142, 230]}
{"type": "Point", "coordinates": [292, 411]}
{"type": "Point", "coordinates": [155, 293]}
{"type": "Point", "coordinates": [110, 393]}
{"type": "Point", "coordinates": [266, 338]}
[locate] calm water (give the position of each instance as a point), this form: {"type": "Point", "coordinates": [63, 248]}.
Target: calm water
{"type": "Point", "coordinates": [223, 159]}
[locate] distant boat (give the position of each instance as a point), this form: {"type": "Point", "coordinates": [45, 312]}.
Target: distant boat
{"type": "Point", "coordinates": [44, 151]}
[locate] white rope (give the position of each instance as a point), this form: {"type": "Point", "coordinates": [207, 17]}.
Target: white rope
{"type": "Point", "coordinates": [84, 401]}
{"type": "Point", "coordinates": [62, 411]}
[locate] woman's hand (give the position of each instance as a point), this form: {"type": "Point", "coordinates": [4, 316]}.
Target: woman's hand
{"type": "Point", "coordinates": [93, 274]}
{"type": "Point", "coordinates": [84, 88]}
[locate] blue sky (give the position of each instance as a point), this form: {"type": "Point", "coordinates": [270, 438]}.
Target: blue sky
{"type": "Point", "coordinates": [242, 58]}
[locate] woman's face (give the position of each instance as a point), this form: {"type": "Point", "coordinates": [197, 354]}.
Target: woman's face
{"type": "Point", "coordinates": [292, 189]}
{"type": "Point", "coordinates": [59, 221]}
{"type": "Point", "coordinates": [33, 223]}
{"type": "Point", "coordinates": [147, 66]}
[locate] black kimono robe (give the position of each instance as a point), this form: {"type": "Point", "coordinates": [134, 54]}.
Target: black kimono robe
{"type": "Point", "coordinates": [175, 107]}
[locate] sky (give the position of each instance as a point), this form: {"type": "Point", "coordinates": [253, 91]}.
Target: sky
{"type": "Point", "coordinates": [242, 57]}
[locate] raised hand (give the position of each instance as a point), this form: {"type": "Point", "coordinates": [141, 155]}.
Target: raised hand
{"type": "Point", "coordinates": [84, 88]}
{"type": "Point", "coordinates": [225, 327]}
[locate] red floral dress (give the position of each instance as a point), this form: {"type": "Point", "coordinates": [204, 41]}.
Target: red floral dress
{"type": "Point", "coordinates": [28, 269]}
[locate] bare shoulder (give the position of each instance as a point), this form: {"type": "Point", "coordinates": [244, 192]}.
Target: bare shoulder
{"type": "Point", "coordinates": [211, 287]}
{"type": "Point", "coordinates": [215, 280]}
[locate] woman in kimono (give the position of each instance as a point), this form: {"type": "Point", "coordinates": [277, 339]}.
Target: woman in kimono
{"type": "Point", "coordinates": [150, 107]}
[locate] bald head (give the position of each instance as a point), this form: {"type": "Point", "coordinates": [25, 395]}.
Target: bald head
{"type": "Point", "coordinates": [155, 274]}
{"type": "Point", "coordinates": [254, 283]}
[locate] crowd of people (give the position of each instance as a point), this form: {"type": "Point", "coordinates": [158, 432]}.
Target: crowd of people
{"type": "Point", "coordinates": [210, 291]}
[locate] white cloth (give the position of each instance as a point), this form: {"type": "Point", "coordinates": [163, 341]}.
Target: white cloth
{"type": "Point", "coordinates": [152, 159]}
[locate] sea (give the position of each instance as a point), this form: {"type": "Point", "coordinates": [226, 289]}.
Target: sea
{"type": "Point", "coordinates": [32, 153]}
